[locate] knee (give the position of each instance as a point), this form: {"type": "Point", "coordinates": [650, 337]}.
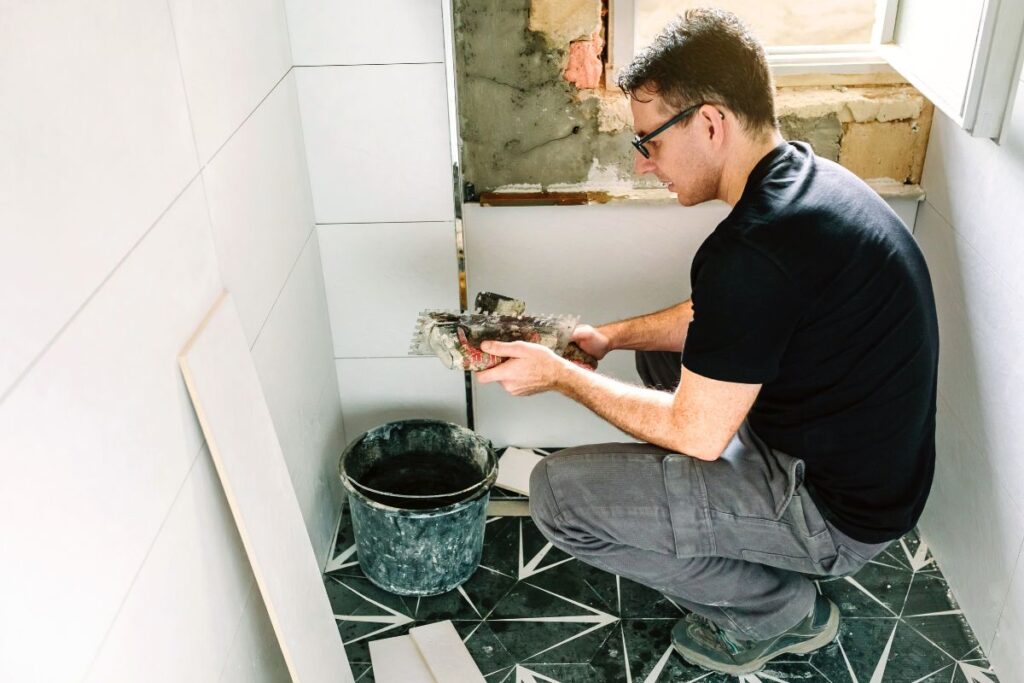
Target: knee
{"type": "Point", "coordinates": [543, 506]}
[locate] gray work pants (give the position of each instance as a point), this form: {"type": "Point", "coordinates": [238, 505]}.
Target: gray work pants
{"type": "Point", "coordinates": [733, 540]}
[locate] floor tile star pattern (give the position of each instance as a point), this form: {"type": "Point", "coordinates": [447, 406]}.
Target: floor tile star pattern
{"type": "Point", "coordinates": [533, 614]}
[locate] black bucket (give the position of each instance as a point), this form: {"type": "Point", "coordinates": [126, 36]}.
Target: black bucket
{"type": "Point", "coordinates": [418, 492]}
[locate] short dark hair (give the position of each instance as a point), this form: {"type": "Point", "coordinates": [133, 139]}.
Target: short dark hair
{"type": "Point", "coordinates": [708, 55]}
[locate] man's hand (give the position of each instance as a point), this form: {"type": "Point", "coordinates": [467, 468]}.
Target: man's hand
{"type": "Point", "coordinates": [530, 368]}
{"type": "Point", "coordinates": [591, 341]}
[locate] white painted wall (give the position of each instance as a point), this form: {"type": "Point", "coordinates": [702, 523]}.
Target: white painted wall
{"type": "Point", "coordinates": [971, 228]}
{"type": "Point", "coordinates": [374, 102]}
{"type": "Point", "coordinates": [153, 155]}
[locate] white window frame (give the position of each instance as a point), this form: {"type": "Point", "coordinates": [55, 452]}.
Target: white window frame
{"type": "Point", "coordinates": [993, 74]}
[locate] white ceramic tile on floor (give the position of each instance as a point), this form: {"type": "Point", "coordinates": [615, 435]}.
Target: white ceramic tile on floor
{"type": "Point", "coordinates": [380, 276]}
{"type": "Point", "coordinates": [97, 144]}
{"type": "Point", "coordinates": [398, 660]}
{"type": "Point", "coordinates": [446, 656]}
{"type": "Point", "coordinates": [360, 169]}
{"type": "Point", "coordinates": [381, 32]}
{"type": "Point", "coordinates": [232, 53]}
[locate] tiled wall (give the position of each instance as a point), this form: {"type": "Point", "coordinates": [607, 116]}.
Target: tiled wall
{"type": "Point", "coordinates": [153, 155]}
{"type": "Point", "coordinates": [374, 102]}
{"type": "Point", "coordinates": [971, 228]}
{"type": "Point", "coordinates": [601, 262]}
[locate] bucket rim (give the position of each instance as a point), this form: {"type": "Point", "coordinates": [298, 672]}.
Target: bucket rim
{"type": "Point", "coordinates": [484, 484]}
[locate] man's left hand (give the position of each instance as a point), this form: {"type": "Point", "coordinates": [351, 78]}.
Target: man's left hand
{"type": "Point", "coordinates": [530, 368]}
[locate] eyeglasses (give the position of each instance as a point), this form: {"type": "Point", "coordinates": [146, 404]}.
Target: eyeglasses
{"type": "Point", "coordinates": [640, 142]}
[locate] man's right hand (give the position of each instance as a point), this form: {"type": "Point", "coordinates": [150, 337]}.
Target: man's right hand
{"type": "Point", "coordinates": [592, 341]}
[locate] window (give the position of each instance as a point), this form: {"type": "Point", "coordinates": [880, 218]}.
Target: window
{"type": "Point", "coordinates": [964, 55]}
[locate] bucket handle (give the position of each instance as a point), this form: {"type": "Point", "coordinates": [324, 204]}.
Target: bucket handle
{"type": "Point", "coordinates": [433, 495]}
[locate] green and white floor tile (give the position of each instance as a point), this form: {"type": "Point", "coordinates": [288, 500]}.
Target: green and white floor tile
{"type": "Point", "coordinates": [533, 614]}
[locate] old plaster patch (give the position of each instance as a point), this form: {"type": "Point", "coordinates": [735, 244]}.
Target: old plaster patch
{"type": "Point", "coordinates": [563, 21]}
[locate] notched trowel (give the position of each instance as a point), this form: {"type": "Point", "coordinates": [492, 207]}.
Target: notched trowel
{"type": "Point", "coordinates": [455, 337]}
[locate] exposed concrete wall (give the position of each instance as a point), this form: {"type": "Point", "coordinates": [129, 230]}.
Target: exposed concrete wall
{"type": "Point", "coordinates": [535, 113]}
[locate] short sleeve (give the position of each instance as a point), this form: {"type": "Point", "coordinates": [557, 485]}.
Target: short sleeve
{"type": "Point", "coordinates": [745, 309]}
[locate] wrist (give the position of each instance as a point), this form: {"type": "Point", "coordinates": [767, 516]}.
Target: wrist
{"type": "Point", "coordinates": [608, 331]}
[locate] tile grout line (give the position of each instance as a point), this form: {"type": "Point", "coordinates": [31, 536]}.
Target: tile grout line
{"type": "Point", "coordinates": [145, 558]}
{"type": "Point", "coordinates": [92, 295]}
{"type": "Point", "coordinates": [1013, 576]}
{"type": "Point", "coordinates": [287, 278]}
{"type": "Point", "coordinates": [198, 174]}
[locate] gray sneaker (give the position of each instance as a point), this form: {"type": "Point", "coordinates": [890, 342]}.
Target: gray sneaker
{"type": "Point", "coordinates": [703, 643]}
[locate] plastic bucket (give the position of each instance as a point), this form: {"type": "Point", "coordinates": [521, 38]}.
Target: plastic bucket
{"type": "Point", "coordinates": [418, 492]}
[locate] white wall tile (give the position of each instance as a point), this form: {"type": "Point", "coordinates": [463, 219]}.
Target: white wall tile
{"type": "Point", "coordinates": [232, 53]}
{"type": "Point", "coordinates": [96, 145]}
{"type": "Point", "coordinates": [974, 529]}
{"type": "Point", "coordinates": [379, 390]}
{"type": "Point", "coordinates": [260, 205]}
{"type": "Point", "coordinates": [101, 434]}
{"type": "Point", "coordinates": [1007, 654]}
{"type": "Point", "coordinates": [184, 607]}
{"type": "Point", "coordinates": [981, 329]}
{"type": "Point", "coordinates": [296, 370]}
{"type": "Point", "coordinates": [603, 263]}
{"type": "Point", "coordinates": [379, 277]}
{"type": "Point", "coordinates": [971, 230]}
{"type": "Point", "coordinates": [548, 419]}
{"type": "Point", "coordinates": [382, 32]}
{"type": "Point", "coordinates": [377, 142]}
{"type": "Point", "coordinates": [906, 209]}
{"type": "Point", "coordinates": [255, 655]}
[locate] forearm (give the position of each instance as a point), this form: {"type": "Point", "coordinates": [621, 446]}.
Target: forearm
{"type": "Point", "coordinates": [645, 414]}
{"type": "Point", "coordinates": [663, 330]}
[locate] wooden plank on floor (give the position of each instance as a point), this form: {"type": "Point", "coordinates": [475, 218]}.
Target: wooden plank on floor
{"type": "Point", "coordinates": [496, 507]}
{"type": "Point", "coordinates": [225, 390]}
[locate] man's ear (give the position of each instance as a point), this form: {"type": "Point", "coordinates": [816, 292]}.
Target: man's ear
{"type": "Point", "coordinates": [713, 121]}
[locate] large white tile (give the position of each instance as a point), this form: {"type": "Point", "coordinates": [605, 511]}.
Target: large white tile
{"type": "Point", "coordinates": [603, 263]}
{"type": "Point", "coordinates": [255, 655]}
{"type": "Point", "coordinates": [548, 419]}
{"type": "Point", "coordinates": [1006, 653]}
{"type": "Point", "coordinates": [377, 142]}
{"type": "Point", "coordinates": [296, 369]}
{"type": "Point", "coordinates": [379, 390]}
{"type": "Point", "coordinates": [178, 620]}
{"type": "Point", "coordinates": [379, 276]}
{"type": "Point", "coordinates": [981, 330]}
{"type": "Point", "coordinates": [973, 527]}
{"type": "Point", "coordinates": [260, 205]}
{"type": "Point", "coordinates": [382, 32]}
{"type": "Point", "coordinates": [232, 53]}
{"type": "Point", "coordinates": [96, 441]}
{"type": "Point", "coordinates": [975, 185]}
{"type": "Point", "coordinates": [96, 144]}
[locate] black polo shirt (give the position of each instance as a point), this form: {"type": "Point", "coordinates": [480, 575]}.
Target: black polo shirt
{"type": "Point", "coordinates": [814, 288]}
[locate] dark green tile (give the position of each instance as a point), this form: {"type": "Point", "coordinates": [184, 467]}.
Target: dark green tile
{"type": "Point", "coordinates": [485, 648]}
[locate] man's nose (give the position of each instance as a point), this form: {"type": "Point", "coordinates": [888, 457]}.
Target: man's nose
{"type": "Point", "coordinates": [642, 165]}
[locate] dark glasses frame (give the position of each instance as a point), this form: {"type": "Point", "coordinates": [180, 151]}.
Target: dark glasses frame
{"type": "Point", "coordinates": [640, 142]}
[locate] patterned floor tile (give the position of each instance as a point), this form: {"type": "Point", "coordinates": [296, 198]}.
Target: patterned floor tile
{"type": "Point", "coordinates": [532, 614]}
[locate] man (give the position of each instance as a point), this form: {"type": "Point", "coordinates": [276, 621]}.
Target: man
{"type": "Point", "coordinates": [796, 436]}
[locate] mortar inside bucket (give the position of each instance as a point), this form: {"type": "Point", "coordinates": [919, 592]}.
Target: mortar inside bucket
{"type": "Point", "coordinates": [418, 492]}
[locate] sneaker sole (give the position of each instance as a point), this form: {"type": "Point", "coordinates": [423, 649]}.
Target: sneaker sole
{"type": "Point", "coordinates": [828, 635]}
